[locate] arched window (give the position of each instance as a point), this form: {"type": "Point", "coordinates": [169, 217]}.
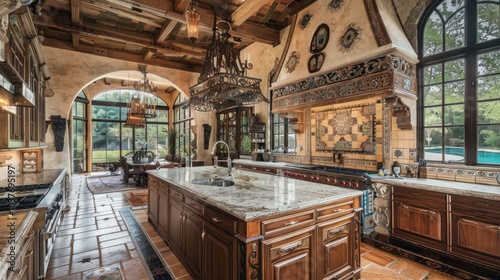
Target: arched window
{"type": "Point", "coordinates": [110, 138]}
{"type": "Point", "coordinates": [79, 126]}
{"type": "Point", "coordinates": [459, 50]}
{"type": "Point", "coordinates": [182, 126]}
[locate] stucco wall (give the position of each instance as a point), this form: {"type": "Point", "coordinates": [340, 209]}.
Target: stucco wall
{"type": "Point", "coordinates": [71, 72]}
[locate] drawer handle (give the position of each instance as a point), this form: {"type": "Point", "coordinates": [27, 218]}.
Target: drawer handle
{"type": "Point", "coordinates": [414, 193]}
{"type": "Point", "coordinates": [217, 220]}
{"type": "Point", "coordinates": [254, 168]}
{"type": "Point", "coordinates": [428, 211]}
{"type": "Point", "coordinates": [481, 204]}
{"type": "Point", "coordinates": [337, 210]}
{"type": "Point", "coordinates": [291, 223]}
{"type": "Point", "coordinates": [335, 232]}
{"type": "Point", "coordinates": [291, 248]}
{"type": "Point", "coordinates": [29, 254]}
{"type": "Point", "coordinates": [469, 222]}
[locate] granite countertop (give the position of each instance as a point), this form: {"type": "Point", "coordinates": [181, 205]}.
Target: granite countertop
{"type": "Point", "coordinates": [449, 187]}
{"type": "Point", "coordinates": [47, 176]}
{"type": "Point", "coordinates": [254, 195]}
{"type": "Point", "coordinates": [22, 219]}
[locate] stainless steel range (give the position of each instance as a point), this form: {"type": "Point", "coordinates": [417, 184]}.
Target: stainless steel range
{"type": "Point", "coordinates": [339, 177]}
{"type": "Point", "coordinates": [49, 200]}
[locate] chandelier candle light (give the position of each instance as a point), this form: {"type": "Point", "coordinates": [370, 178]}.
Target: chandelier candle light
{"type": "Point", "coordinates": [223, 81]}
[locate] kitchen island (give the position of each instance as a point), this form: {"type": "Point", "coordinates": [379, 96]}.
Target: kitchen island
{"type": "Point", "coordinates": [262, 227]}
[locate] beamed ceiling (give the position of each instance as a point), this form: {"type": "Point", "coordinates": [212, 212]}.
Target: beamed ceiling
{"type": "Point", "coordinates": [153, 32]}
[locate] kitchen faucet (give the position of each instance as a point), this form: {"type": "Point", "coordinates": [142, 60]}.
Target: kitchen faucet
{"type": "Point", "coordinates": [229, 163]}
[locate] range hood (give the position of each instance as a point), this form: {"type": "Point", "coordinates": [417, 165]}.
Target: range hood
{"type": "Point", "coordinates": [6, 96]}
{"type": "Point", "coordinates": [12, 96]}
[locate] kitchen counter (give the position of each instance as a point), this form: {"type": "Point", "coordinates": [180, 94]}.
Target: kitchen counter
{"type": "Point", "coordinates": [450, 187]}
{"type": "Point", "coordinates": [254, 196]}
{"type": "Point", "coordinates": [22, 222]}
{"type": "Point", "coordinates": [48, 176]}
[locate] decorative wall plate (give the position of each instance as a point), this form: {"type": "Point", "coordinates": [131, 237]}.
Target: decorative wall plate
{"type": "Point", "coordinates": [292, 62]}
{"type": "Point", "coordinates": [351, 35]}
{"type": "Point", "coordinates": [305, 20]}
{"type": "Point", "coordinates": [320, 38]}
{"type": "Point", "coordinates": [315, 62]}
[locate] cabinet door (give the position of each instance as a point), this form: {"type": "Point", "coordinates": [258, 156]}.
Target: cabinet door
{"type": "Point", "coordinates": [219, 254]}
{"type": "Point", "coordinates": [420, 225]}
{"type": "Point", "coordinates": [175, 224]}
{"type": "Point", "coordinates": [289, 256]}
{"type": "Point", "coordinates": [336, 248]}
{"type": "Point", "coordinates": [477, 237]}
{"type": "Point", "coordinates": [163, 212]}
{"type": "Point", "coordinates": [153, 204]}
{"type": "Point", "coordinates": [193, 229]}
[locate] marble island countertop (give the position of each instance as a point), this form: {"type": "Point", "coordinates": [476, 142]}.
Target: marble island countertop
{"type": "Point", "coordinates": [254, 195]}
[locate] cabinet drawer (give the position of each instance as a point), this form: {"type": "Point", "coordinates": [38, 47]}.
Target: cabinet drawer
{"type": "Point", "coordinates": [419, 197]}
{"type": "Point", "coordinates": [479, 205]}
{"type": "Point", "coordinates": [287, 223]}
{"type": "Point", "coordinates": [174, 193]}
{"type": "Point", "coordinates": [338, 209]}
{"type": "Point", "coordinates": [220, 219]}
{"type": "Point", "coordinates": [193, 204]}
{"type": "Point", "coordinates": [152, 181]}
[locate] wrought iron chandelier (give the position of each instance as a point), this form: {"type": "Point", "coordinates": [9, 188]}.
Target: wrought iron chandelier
{"type": "Point", "coordinates": [223, 81]}
{"type": "Point", "coordinates": [141, 106]}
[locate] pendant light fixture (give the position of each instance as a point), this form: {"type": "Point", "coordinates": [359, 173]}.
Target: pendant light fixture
{"type": "Point", "coordinates": [193, 21]}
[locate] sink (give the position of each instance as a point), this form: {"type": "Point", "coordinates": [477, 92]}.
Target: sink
{"type": "Point", "coordinates": [219, 182]}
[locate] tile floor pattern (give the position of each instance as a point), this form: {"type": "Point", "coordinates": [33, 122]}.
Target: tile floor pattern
{"type": "Point", "coordinates": [93, 235]}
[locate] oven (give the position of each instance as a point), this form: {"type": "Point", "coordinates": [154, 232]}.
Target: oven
{"type": "Point", "coordinates": [52, 206]}
{"type": "Point", "coordinates": [339, 177]}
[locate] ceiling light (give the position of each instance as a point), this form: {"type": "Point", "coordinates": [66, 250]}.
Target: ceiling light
{"type": "Point", "coordinates": [193, 21]}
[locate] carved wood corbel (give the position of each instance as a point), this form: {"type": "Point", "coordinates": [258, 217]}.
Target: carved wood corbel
{"type": "Point", "coordinates": [59, 128]}
{"type": "Point", "coordinates": [400, 111]}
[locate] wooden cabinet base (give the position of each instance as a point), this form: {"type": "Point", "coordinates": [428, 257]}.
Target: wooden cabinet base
{"type": "Point", "coordinates": [213, 244]}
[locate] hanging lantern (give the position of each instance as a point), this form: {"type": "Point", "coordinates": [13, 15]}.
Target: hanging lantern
{"type": "Point", "coordinates": [193, 21]}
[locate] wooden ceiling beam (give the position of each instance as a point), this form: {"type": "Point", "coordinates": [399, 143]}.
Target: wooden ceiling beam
{"type": "Point", "coordinates": [75, 11]}
{"type": "Point", "coordinates": [246, 10]}
{"type": "Point", "coordinates": [165, 30]}
{"type": "Point", "coordinates": [120, 55]}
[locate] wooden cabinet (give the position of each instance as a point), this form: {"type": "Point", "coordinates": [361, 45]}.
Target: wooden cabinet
{"type": "Point", "coordinates": [219, 254]}
{"type": "Point", "coordinates": [420, 216]}
{"type": "Point", "coordinates": [258, 134]}
{"type": "Point", "coordinates": [290, 256]}
{"type": "Point", "coordinates": [153, 200]}
{"type": "Point", "coordinates": [475, 229]}
{"type": "Point", "coordinates": [163, 213]}
{"type": "Point", "coordinates": [338, 245]}
{"type": "Point", "coordinates": [22, 267]}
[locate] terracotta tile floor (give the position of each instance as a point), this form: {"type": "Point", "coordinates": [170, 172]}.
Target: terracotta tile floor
{"type": "Point", "coordinates": [93, 235]}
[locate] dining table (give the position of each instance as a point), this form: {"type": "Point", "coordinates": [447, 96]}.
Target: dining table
{"type": "Point", "coordinates": [140, 168]}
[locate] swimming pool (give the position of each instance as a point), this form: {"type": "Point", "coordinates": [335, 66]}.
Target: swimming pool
{"type": "Point", "coordinates": [457, 154]}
